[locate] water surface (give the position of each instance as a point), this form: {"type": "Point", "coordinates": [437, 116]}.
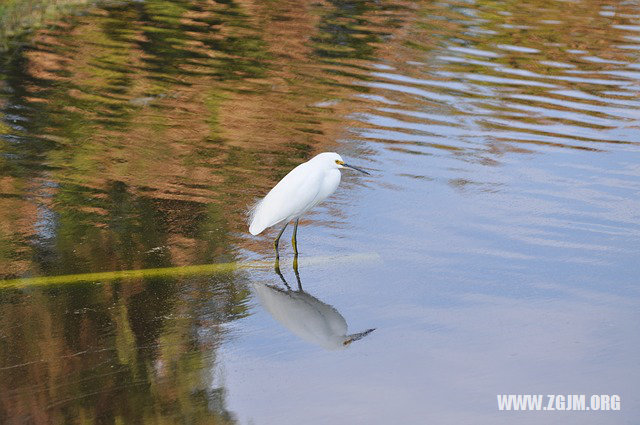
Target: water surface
{"type": "Point", "coordinates": [494, 248]}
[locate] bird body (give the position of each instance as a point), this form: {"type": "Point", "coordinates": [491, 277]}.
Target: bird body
{"type": "Point", "coordinates": [301, 189]}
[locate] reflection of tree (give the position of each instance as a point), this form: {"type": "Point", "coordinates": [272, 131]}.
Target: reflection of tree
{"type": "Point", "coordinates": [80, 136]}
{"type": "Point", "coordinates": [131, 351]}
{"type": "Point", "coordinates": [18, 15]}
{"type": "Point", "coordinates": [98, 200]}
{"type": "Point", "coordinates": [503, 77]}
{"type": "Point", "coordinates": [127, 140]}
{"type": "Point", "coordinates": [350, 31]}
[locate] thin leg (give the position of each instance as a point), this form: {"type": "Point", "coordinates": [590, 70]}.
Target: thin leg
{"type": "Point", "coordinates": [282, 277]}
{"type": "Point", "coordinates": [294, 238]}
{"type": "Point", "coordinates": [295, 270]}
{"type": "Point", "coordinates": [275, 245]}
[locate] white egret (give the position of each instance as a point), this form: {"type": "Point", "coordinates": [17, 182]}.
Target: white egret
{"type": "Point", "coordinates": [306, 316]}
{"type": "Point", "coordinates": [302, 189]}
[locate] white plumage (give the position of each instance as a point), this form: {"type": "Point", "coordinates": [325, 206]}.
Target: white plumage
{"type": "Point", "coordinates": [302, 189]}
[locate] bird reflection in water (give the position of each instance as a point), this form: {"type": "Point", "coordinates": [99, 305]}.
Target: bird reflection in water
{"type": "Point", "coordinates": [306, 316]}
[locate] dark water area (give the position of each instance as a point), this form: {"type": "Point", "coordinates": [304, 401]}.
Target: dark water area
{"type": "Point", "coordinates": [494, 248]}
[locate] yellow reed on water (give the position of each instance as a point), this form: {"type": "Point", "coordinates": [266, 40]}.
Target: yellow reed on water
{"type": "Point", "coordinates": [201, 269]}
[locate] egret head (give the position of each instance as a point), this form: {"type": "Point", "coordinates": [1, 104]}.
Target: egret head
{"type": "Point", "coordinates": [333, 160]}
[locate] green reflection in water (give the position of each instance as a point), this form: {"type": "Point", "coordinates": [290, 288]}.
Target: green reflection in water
{"type": "Point", "coordinates": [134, 353]}
{"type": "Point", "coordinates": [128, 137]}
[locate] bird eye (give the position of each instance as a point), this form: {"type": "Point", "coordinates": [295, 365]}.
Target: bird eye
{"type": "Point", "coordinates": [338, 161]}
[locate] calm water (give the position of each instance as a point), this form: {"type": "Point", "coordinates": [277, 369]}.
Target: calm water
{"type": "Point", "coordinates": [495, 248]}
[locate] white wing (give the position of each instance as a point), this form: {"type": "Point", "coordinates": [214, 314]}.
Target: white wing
{"type": "Point", "coordinates": [290, 198]}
